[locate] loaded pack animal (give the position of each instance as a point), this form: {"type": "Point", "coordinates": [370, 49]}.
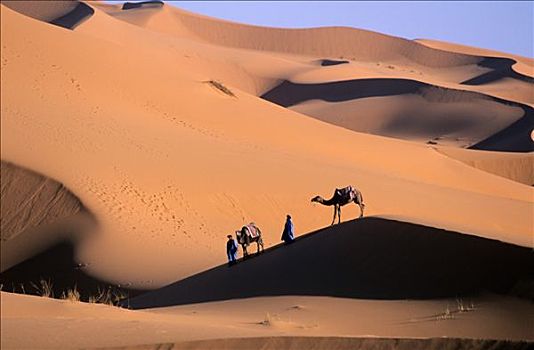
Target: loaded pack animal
{"type": "Point", "coordinates": [341, 197]}
{"type": "Point", "coordinates": [248, 234]}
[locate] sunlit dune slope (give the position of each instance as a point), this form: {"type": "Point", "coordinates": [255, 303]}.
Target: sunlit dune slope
{"type": "Point", "coordinates": [169, 163]}
{"type": "Point", "coordinates": [256, 74]}
{"type": "Point", "coordinates": [523, 65]}
{"type": "Point", "coordinates": [368, 258]}
{"type": "Point", "coordinates": [412, 110]}
{"type": "Point", "coordinates": [267, 322]}
{"type": "Point", "coordinates": [67, 13]}
{"type": "Point", "coordinates": [42, 10]}
{"type": "Point", "coordinates": [36, 212]}
{"type": "Point", "coordinates": [515, 166]}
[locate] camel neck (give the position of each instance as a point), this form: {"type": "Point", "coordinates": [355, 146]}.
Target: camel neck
{"type": "Point", "coordinates": [328, 202]}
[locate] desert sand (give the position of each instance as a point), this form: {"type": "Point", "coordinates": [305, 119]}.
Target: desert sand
{"type": "Point", "coordinates": [30, 320]}
{"type": "Point", "coordinates": [134, 138]}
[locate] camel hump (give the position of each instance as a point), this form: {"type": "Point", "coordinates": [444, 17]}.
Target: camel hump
{"type": "Point", "coordinates": [346, 193]}
{"type": "Point", "coordinates": [251, 230]}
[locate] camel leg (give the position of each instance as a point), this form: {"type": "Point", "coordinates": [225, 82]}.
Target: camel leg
{"type": "Point", "coordinates": [361, 207]}
{"type": "Point", "coordinates": [334, 218]}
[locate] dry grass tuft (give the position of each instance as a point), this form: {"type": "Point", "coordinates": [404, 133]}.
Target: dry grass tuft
{"type": "Point", "coordinates": [111, 295]}
{"type": "Point", "coordinates": [461, 306]}
{"type": "Point", "coordinates": [45, 288]}
{"type": "Point", "coordinates": [107, 296]}
{"type": "Point", "coordinates": [268, 321]}
{"type": "Point", "coordinates": [464, 306]}
{"type": "Point", "coordinates": [71, 295]}
{"type": "Point", "coordinates": [219, 86]}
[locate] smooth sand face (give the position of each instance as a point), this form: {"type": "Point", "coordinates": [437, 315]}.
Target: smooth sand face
{"type": "Point", "coordinates": [44, 11]}
{"type": "Point", "coordinates": [120, 111]}
{"type": "Point", "coordinates": [201, 169]}
{"type": "Point", "coordinates": [30, 322]}
{"type": "Point", "coordinates": [524, 65]}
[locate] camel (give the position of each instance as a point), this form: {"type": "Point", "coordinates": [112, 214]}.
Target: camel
{"type": "Point", "coordinates": [248, 234]}
{"type": "Point", "coordinates": [341, 197]}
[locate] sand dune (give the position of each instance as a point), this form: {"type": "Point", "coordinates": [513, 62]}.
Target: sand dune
{"type": "Point", "coordinates": [141, 4]}
{"type": "Point", "coordinates": [367, 258]}
{"type": "Point", "coordinates": [59, 268]}
{"type": "Point", "coordinates": [152, 118]}
{"type": "Point", "coordinates": [36, 213]}
{"type": "Point", "coordinates": [328, 42]}
{"type": "Point", "coordinates": [326, 63]}
{"type": "Point", "coordinates": [35, 322]}
{"type": "Point", "coordinates": [66, 14]}
{"type": "Point", "coordinates": [438, 113]}
{"type": "Point", "coordinates": [524, 65]}
{"type": "Point", "coordinates": [36, 200]}
{"type": "Point", "coordinates": [74, 18]}
{"type": "Point", "coordinates": [42, 10]}
{"type": "Point", "coordinates": [500, 68]}
{"type": "Point", "coordinates": [515, 166]}
{"type": "Point", "coordinates": [345, 44]}
{"type": "Point", "coordinates": [176, 207]}
{"type": "Point", "coordinates": [516, 137]}
{"type": "Point", "coordinates": [340, 343]}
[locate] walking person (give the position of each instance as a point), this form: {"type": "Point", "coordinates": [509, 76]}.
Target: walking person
{"type": "Point", "coordinates": [288, 236]}
{"type": "Point", "coordinates": [231, 250]}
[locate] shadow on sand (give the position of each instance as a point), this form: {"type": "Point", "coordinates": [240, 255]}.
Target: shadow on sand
{"type": "Point", "coordinates": [339, 343]}
{"type": "Point", "coordinates": [514, 138]}
{"type": "Point", "coordinates": [142, 4]}
{"type": "Point", "coordinates": [500, 68]}
{"type": "Point", "coordinates": [370, 258]}
{"type": "Point", "coordinates": [327, 62]}
{"type": "Point", "coordinates": [74, 18]}
{"type": "Point", "coordinates": [57, 265]}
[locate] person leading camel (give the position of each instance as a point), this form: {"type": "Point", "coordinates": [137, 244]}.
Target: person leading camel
{"type": "Point", "coordinates": [231, 250]}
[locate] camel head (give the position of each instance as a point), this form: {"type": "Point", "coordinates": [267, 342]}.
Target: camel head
{"type": "Point", "coordinates": [238, 236]}
{"type": "Point", "coordinates": [317, 199]}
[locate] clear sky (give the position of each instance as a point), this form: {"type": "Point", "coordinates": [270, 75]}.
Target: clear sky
{"type": "Point", "coordinates": [500, 25]}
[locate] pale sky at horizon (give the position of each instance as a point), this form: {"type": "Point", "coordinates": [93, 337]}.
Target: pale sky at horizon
{"type": "Point", "coordinates": [506, 26]}
{"type": "Point", "coordinates": [499, 25]}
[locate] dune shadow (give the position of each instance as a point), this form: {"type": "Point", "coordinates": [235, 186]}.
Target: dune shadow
{"type": "Point", "coordinates": [327, 62]}
{"type": "Point", "coordinates": [65, 14]}
{"type": "Point", "coordinates": [288, 94]}
{"type": "Point", "coordinates": [142, 4]}
{"type": "Point", "coordinates": [59, 266]}
{"type": "Point", "coordinates": [368, 258]}
{"type": "Point", "coordinates": [347, 343]}
{"type": "Point", "coordinates": [41, 222]}
{"type": "Point", "coordinates": [513, 138]}
{"type": "Point", "coordinates": [71, 20]}
{"type": "Point", "coordinates": [339, 343]}
{"type": "Point", "coordinates": [500, 68]}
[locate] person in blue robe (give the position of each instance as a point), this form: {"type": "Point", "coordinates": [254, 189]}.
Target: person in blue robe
{"type": "Point", "coordinates": [231, 250]}
{"type": "Point", "coordinates": [288, 235]}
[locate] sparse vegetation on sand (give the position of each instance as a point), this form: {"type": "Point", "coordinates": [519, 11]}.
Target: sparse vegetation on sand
{"type": "Point", "coordinates": [45, 288]}
{"type": "Point", "coordinates": [107, 296]}
{"type": "Point", "coordinates": [219, 86]}
{"type": "Point", "coordinates": [461, 306]}
{"type": "Point", "coordinates": [71, 294]}
{"type": "Point", "coordinates": [104, 295]}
